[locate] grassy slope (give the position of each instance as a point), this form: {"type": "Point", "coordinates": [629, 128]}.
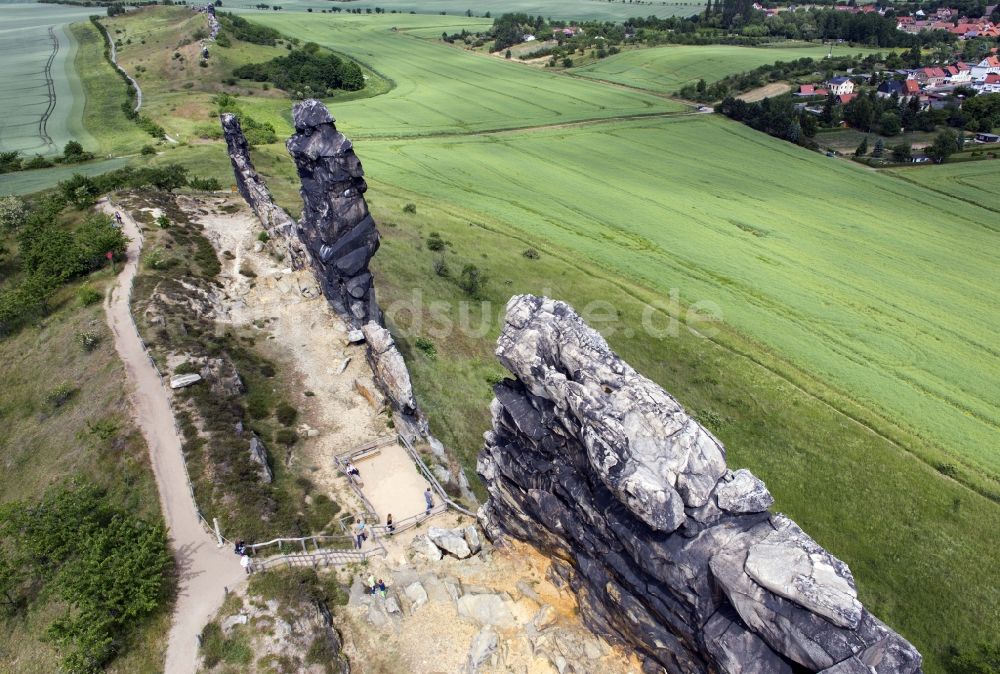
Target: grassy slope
{"type": "Point", "coordinates": [40, 447]}
{"type": "Point", "coordinates": [810, 262]}
{"type": "Point", "coordinates": [449, 90]}
{"type": "Point", "coordinates": [667, 69]}
{"type": "Point", "coordinates": [104, 92]}
{"type": "Point", "coordinates": [579, 10]}
{"type": "Point", "coordinates": [912, 537]}
{"type": "Point", "coordinates": [975, 182]}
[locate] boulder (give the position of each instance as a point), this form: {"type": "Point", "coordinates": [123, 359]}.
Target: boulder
{"type": "Point", "coordinates": [792, 565]}
{"type": "Point", "coordinates": [450, 541]}
{"type": "Point", "coordinates": [416, 594]}
{"type": "Point", "coordinates": [232, 621]}
{"type": "Point", "coordinates": [258, 454]}
{"type": "Point", "coordinates": [423, 546]}
{"type": "Point", "coordinates": [744, 493]}
{"type": "Point", "coordinates": [669, 552]}
{"type": "Point", "coordinates": [182, 380]}
{"type": "Point", "coordinates": [471, 535]}
{"type": "Point", "coordinates": [546, 617]}
{"type": "Point", "coordinates": [485, 609]}
{"type": "Point", "coordinates": [484, 644]}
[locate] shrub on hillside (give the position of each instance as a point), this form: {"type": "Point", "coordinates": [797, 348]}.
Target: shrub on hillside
{"type": "Point", "coordinates": [286, 414]}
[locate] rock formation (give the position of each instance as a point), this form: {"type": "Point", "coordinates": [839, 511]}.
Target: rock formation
{"type": "Point", "coordinates": [335, 225]}
{"type": "Point", "coordinates": [336, 233]}
{"type": "Point", "coordinates": [276, 221]}
{"type": "Point", "coordinates": [669, 552]}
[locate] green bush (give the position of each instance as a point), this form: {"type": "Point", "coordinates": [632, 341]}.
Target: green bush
{"type": "Point", "coordinates": [286, 414]}
{"type": "Point", "coordinates": [147, 151]}
{"type": "Point", "coordinates": [163, 222]}
{"type": "Point", "coordinates": [263, 237]}
{"type": "Point", "coordinates": [286, 436]}
{"type": "Point", "coordinates": [472, 281]}
{"type": "Point", "coordinates": [88, 295]}
{"type": "Point", "coordinates": [435, 242]}
{"type": "Point", "coordinates": [426, 347]}
{"type": "Point", "coordinates": [88, 340]}
{"type": "Point", "coordinates": [410, 208]}
{"type": "Point", "coordinates": [205, 184]}
{"type": "Point", "coordinates": [531, 254]}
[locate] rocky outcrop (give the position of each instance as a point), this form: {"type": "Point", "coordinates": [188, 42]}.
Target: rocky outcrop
{"type": "Point", "coordinates": [669, 552]}
{"type": "Point", "coordinates": [279, 226]}
{"type": "Point", "coordinates": [258, 454]}
{"type": "Point", "coordinates": [389, 368]}
{"type": "Point", "coordinates": [335, 225]}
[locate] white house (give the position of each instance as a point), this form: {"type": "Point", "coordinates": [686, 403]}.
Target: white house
{"type": "Point", "coordinates": [840, 86]}
{"type": "Point", "coordinates": [989, 65]}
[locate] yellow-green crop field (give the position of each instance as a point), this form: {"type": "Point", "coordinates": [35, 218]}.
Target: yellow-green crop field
{"type": "Point", "coordinates": [667, 69]}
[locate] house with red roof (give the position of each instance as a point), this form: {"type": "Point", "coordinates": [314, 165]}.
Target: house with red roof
{"type": "Point", "coordinates": [844, 99]}
{"type": "Point", "coordinates": [988, 66]}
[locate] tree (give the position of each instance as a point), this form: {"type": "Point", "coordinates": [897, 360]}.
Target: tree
{"type": "Point", "coordinates": [889, 123]}
{"type": "Point", "coordinates": [862, 148]}
{"type": "Point", "coordinates": [945, 144]}
{"type": "Point", "coordinates": [472, 281]}
{"type": "Point", "coordinates": [700, 88]}
{"type": "Point", "coordinates": [902, 153]}
{"type": "Point", "coordinates": [809, 125]}
{"type": "Point", "coordinates": [983, 659]}
{"type": "Point", "coordinates": [879, 149]}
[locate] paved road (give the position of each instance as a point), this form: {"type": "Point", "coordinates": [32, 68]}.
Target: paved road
{"type": "Point", "coordinates": [203, 569]}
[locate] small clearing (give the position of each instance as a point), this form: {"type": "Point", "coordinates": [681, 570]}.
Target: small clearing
{"type": "Point", "coordinates": [766, 91]}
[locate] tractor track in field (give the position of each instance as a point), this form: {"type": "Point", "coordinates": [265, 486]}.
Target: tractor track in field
{"type": "Point", "coordinates": [50, 85]}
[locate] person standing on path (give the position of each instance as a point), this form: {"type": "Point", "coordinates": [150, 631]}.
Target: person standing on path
{"type": "Point", "coordinates": [429, 500]}
{"type": "Point", "coordinates": [359, 534]}
{"type": "Point", "coordinates": [372, 586]}
{"type": "Point", "coordinates": [245, 563]}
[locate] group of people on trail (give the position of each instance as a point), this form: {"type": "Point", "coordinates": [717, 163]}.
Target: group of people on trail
{"type": "Point", "coordinates": [376, 586]}
{"type": "Point", "coordinates": [241, 549]}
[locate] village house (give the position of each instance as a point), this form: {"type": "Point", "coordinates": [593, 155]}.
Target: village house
{"type": "Point", "coordinates": [987, 138]}
{"type": "Point", "coordinates": [839, 86]}
{"type": "Point", "coordinates": [905, 89]}
{"type": "Point", "coordinates": [988, 66]}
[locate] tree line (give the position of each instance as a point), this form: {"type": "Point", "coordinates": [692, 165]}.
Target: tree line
{"type": "Point", "coordinates": [306, 72]}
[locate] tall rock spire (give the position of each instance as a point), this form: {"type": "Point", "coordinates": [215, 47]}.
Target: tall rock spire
{"type": "Point", "coordinates": [335, 225]}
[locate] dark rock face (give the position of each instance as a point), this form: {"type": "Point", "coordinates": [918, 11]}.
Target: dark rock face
{"type": "Point", "coordinates": [335, 225]}
{"type": "Point", "coordinates": [669, 552]}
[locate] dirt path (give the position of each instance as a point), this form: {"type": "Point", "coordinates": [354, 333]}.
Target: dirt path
{"type": "Point", "coordinates": [203, 569]}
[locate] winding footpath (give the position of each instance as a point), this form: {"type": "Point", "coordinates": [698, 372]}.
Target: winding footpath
{"type": "Point", "coordinates": [203, 569]}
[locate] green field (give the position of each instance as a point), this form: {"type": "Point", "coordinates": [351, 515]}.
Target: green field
{"type": "Point", "coordinates": [444, 90]}
{"type": "Point", "coordinates": [667, 69]}
{"type": "Point", "coordinates": [40, 108]}
{"type": "Point", "coordinates": [977, 182]}
{"type": "Point", "coordinates": [580, 10]}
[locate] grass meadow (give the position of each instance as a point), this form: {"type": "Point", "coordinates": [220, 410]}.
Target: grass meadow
{"type": "Point", "coordinates": [40, 109]}
{"type": "Point", "coordinates": [599, 10]}
{"type": "Point", "coordinates": [446, 90]}
{"type": "Point", "coordinates": [666, 69]}
{"type": "Point", "coordinates": [90, 436]}
{"type": "Point", "coordinates": [975, 182]}
{"type": "Point", "coordinates": [883, 292]}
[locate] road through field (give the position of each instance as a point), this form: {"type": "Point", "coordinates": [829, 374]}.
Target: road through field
{"type": "Point", "coordinates": [203, 570]}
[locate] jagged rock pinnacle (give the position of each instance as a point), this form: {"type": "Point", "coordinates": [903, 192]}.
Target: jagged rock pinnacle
{"type": "Point", "coordinates": [670, 552]}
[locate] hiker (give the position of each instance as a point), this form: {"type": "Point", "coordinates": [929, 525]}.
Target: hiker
{"type": "Point", "coordinates": [372, 586]}
{"type": "Point", "coordinates": [428, 499]}
{"type": "Point", "coordinates": [245, 563]}
{"type": "Point", "coordinates": [240, 547]}
{"type": "Point", "coordinates": [381, 588]}
{"type": "Point", "coordinates": [389, 526]}
{"type": "Point", "coordinates": [118, 217]}
{"type": "Point", "coordinates": [352, 471]}
{"type": "Point", "coordinates": [360, 536]}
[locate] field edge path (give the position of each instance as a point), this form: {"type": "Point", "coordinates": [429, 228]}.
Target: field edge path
{"type": "Point", "coordinates": [203, 569]}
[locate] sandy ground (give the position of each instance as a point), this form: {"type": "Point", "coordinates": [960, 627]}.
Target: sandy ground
{"type": "Point", "coordinates": [435, 639]}
{"type": "Point", "coordinates": [393, 484]}
{"type": "Point", "coordinates": [304, 333]}
{"type": "Point", "coordinates": [203, 569]}
{"type": "Point", "coordinates": [766, 91]}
